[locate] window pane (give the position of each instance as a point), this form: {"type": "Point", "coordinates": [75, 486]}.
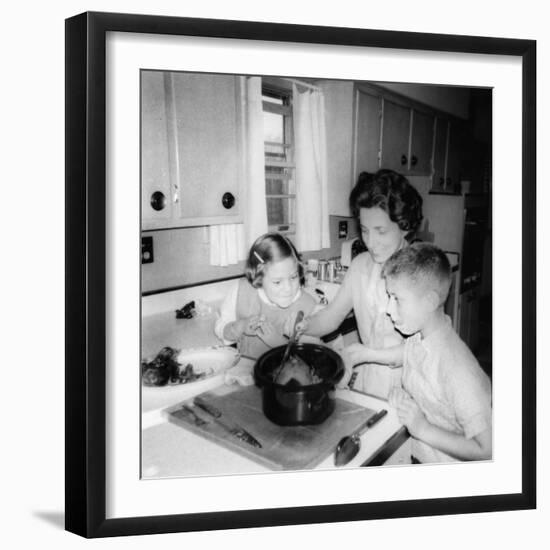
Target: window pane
{"type": "Point", "coordinates": [273, 127]}
{"type": "Point", "coordinates": [278, 180]}
{"type": "Point", "coordinates": [278, 211]}
{"type": "Point", "coordinates": [277, 100]}
{"type": "Point", "coordinates": [275, 152]}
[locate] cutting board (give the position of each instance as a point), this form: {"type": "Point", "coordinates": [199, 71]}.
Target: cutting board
{"type": "Point", "coordinates": [283, 447]}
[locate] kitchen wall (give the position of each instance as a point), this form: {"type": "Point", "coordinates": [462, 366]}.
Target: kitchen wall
{"type": "Point", "coordinates": [182, 257]}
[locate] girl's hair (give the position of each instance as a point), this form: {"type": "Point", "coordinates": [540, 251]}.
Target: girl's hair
{"type": "Point", "coordinates": [391, 192]}
{"type": "Point", "coordinates": [271, 247]}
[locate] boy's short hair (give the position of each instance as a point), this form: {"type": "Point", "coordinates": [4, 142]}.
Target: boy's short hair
{"type": "Point", "coordinates": [424, 264]}
{"type": "Point", "coordinates": [270, 247]}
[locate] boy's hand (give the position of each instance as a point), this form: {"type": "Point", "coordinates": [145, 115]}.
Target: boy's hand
{"type": "Point", "coordinates": [348, 365]}
{"type": "Point", "coordinates": [410, 415]}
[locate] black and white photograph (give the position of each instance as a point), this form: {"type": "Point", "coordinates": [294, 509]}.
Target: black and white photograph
{"type": "Point", "coordinates": [316, 274]}
{"type": "Point", "coordinates": [275, 275]}
{"type": "Point", "coordinates": [301, 261]}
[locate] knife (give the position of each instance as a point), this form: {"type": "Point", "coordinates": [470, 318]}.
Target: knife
{"type": "Point", "coordinates": [233, 429]}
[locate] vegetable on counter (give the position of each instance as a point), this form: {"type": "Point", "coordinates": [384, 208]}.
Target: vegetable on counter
{"type": "Point", "coordinates": [164, 369]}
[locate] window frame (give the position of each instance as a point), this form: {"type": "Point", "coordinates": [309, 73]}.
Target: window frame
{"type": "Point", "coordinates": [281, 90]}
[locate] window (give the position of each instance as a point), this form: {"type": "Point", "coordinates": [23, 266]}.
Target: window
{"type": "Point", "coordinates": [279, 160]}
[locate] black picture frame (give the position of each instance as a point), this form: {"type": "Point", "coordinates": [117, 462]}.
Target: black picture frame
{"type": "Point", "coordinates": [86, 271]}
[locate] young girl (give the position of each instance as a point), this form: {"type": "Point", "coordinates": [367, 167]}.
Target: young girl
{"type": "Point", "coordinates": [255, 312]}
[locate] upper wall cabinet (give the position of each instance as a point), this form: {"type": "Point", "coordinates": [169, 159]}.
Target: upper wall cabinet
{"type": "Point", "coordinates": [338, 97]}
{"type": "Point", "coordinates": [452, 158]}
{"type": "Point", "coordinates": [156, 188]}
{"type": "Point", "coordinates": [421, 144]}
{"type": "Point", "coordinates": [192, 161]}
{"type": "Point", "coordinates": [368, 112]}
{"type": "Point", "coordinates": [396, 122]}
{"type": "Point", "coordinates": [352, 118]}
{"type": "Point", "coordinates": [407, 139]}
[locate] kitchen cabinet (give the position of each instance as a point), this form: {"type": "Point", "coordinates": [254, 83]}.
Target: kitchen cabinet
{"type": "Point", "coordinates": [440, 154]}
{"type": "Point", "coordinates": [192, 143]}
{"type": "Point", "coordinates": [396, 121]}
{"type": "Point", "coordinates": [382, 131]}
{"type": "Point", "coordinates": [339, 123]}
{"type": "Point", "coordinates": [456, 156]}
{"type": "Point", "coordinates": [407, 139]}
{"type": "Point", "coordinates": [420, 161]}
{"type": "Point", "coordinates": [353, 133]}
{"type": "Point", "coordinates": [368, 113]}
{"type": "Point", "coordinates": [451, 158]}
{"type": "Point", "coordinates": [156, 188]}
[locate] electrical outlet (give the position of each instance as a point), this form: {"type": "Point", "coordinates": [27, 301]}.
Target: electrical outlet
{"type": "Point", "coordinates": [147, 250]}
{"type": "Point", "coordinates": [343, 229]}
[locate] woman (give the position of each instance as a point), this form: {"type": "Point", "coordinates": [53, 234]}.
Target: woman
{"type": "Point", "coordinates": [389, 210]}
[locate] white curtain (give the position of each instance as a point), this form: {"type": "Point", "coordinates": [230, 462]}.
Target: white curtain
{"type": "Point", "coordinates": [229, 243]}
{"type": "Point", "coordinates": [312, 221]}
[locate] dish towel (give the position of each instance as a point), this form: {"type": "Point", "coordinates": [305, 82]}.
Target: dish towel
{"type": "Point", "coordinates": [227, 244]}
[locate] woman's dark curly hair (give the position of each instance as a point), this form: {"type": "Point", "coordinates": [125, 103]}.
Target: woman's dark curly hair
{"type": "Point", "coordinates": [391, 192]}
{"type": "Point", "coordinates": [268, 248]}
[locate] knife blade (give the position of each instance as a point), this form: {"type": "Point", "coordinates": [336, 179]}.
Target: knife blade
{"type": "Point", "coordinates": [234, 429]}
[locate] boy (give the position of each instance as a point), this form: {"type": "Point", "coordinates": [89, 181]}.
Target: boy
{"type": "Point", "coordinates": [445, 398]}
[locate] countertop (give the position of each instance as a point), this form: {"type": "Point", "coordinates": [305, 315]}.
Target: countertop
{"type": "Point", "coordinates": [169, 450]}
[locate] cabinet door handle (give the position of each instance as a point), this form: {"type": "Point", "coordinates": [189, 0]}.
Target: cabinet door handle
{"type": "Point", "coordinates": [403, 160]}
{"type": "Point", "coordinates": [414, 160]}
{"type": "Point", "coordinates": [158, 200]}
{"type": "Point", "coordinates": [228, 200]}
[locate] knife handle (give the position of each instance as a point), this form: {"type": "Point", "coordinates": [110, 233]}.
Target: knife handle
{"type": "Point", "coordinates": [210, 409]}
{"type": "Point", "coordinates": [376, 417]}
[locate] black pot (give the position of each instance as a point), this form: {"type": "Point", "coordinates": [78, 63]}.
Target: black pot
{"type": "Point", "coordinates": [294, 405]}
